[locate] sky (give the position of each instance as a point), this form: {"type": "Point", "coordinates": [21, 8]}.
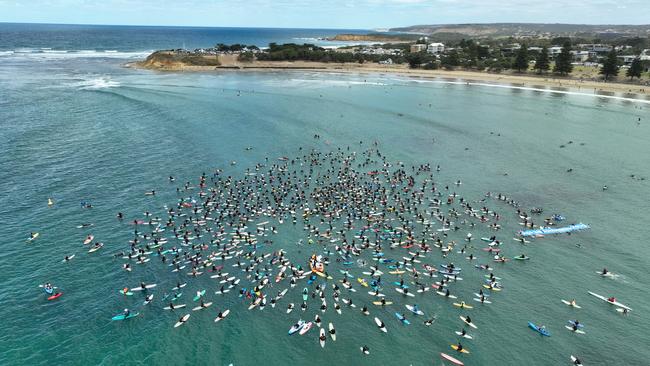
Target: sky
{"type": "Point", "coordinates": [349, 14]}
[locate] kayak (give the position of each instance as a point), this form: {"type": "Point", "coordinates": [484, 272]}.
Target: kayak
{"type": "Point", "coordinates": [451, 359]}
{"type": "Point", "coordinates": [610, 302]}
{"type": "Point", "coordinates": [122, 316]}
{"type": "Point", "coordinates": [541, 331]}
{"type": "Point", "coordinates": [412, 309]}
{"type": "Point", "coordinates": [402, 318]}
{"type": "Point", "coordinates": [55, 296]}
{"type": "Point", "coordinates": [182, 321]}
{"type": "Point", "coordinates": [522, 258]}
{"type": "Point", "coordinates": [455, 347]}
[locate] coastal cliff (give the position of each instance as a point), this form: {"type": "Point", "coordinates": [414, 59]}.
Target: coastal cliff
{"type": "Point", "coordinates": [170, 60]}
{"type": "Point", "coordinates": [385, 38]}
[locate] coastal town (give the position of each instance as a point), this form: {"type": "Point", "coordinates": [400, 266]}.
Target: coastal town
{"type": "Point", "coordinates": [622, 60]}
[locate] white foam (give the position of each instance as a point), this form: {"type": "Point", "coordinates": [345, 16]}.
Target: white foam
{"type": "Point", "coordinates": [97, 83]}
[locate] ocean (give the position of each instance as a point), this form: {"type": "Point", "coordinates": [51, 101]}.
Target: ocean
{"type": "Point", "coordinates": [76, 126]}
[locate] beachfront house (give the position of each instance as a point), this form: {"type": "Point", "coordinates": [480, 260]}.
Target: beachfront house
{"type": "Point", "coordinates": [418, 47]}
{"type": "Point", "coordinates": [436, 48]}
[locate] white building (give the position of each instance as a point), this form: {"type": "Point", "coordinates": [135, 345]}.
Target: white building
{"type": "Point", "coordinates": [436, 48]}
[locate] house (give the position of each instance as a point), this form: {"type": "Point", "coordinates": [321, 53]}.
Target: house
{"type": "Point", "coordinates": [418, 47]}
{"type": "Point", "coordinates": [595, 47]}
{"type": "Point", "coordinates": [387, 61]}
{"type": "Point", "coordinates": [554, 51]}
{"type": "Point", "coordinates": [581, 56]}
{"type": "Point", "coordinates": [436, 48]}
{"type": "Point", "coordinates": [627, 59]}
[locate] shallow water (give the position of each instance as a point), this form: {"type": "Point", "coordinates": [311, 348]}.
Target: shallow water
{"type": "Point", "coordinates": [92, 130]}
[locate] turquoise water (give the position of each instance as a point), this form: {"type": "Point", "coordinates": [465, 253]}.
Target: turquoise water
{"type": "Point", "coordinates": [93, 131]}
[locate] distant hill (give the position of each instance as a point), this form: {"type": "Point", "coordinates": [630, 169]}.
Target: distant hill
{"type": "Point", "coordinates": [495, 30]}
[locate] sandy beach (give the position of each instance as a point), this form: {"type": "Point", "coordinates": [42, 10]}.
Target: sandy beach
{"type": "Point", "coordinates": [230, 63]}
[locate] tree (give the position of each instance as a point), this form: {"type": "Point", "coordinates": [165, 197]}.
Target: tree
{"type": "Point", "coordinates": [521, 61]}
{"type": "Point", "coordinates": [563, 60]}
{"type": "Point", "coordinates": [542, 63]}
{"type": "Point", "coordinates": [610, 65]}
{"type": "Point", "coordinates": [415, 59]}
{"type": "Point", "coordinates": [635, 69]}
{"type": "Point", "coordinates": [450, 60]}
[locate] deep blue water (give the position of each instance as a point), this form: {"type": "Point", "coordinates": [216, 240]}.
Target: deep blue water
{"type": "Point", "coordinates": [57, 37]}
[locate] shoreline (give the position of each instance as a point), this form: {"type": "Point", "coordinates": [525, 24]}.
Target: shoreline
{"type": "Point", "coordinates": [589, 87]}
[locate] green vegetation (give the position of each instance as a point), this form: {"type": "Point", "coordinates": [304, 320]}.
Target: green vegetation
{"type": "Point", "coordinates": [542, 63]}
{"type": "Point", "coordinates": [563, 60]}
{"type": "Point", "coordinates": [635, 69]}
{"type": "Point", "coordinates": [610, 65]}
{"type": "Point", "coordinates": [521, 61]}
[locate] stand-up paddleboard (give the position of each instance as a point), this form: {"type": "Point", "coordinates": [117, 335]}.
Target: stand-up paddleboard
{"type": "Point", "coordinates": [463, 305]}
{"type": "Point", "coordinates": [223, 316]}
{"type": "Point", "coordinates": [69, 258]}
{"type": "Point", "coordinates": [610, 302]}
{"type": "Point", "coordinates": [446, 357]}
{"type": "Point", "coordinates": [146, 287]}
{"type": "Point", "coordinates": [199, 295]}
{"type": "Point", "coordinates": [306, 328]}
{"type": "Point", "coordinates": [443, 294]}
{"type": "Point", "coordinates": [401, 291]}
{"type": "Point", "coordinates": [485, 301]}
{"type": "Point", "coordinates": [205, 305]}
{"type": "Point", "coordinates": [463, 335]}
{"type": "Point", "coordinates": [381, 325]}
{"type": "Point", "coordinates": [322, 338]}
{"type": "Point", "coordinates": [578, 331]}
{"type": "Point", "coordinates": [570, 304]}
{"type": "Point", "coordinates": [296, 327]}
{"type": "Point", "coordinates": [182, 321]}
{"type": "Point", "coordinates": [122, 316]}
{"type": "Point", "coordinates": [332, 332]}
{"type": "Point", "coordinates": [464, 319]}
{"type": "Point", "coordinates": [455, 348]}
{"type": "Point", "coordinates": [379, 303]}
{"type": "Point", "coordinates": [411, 308]}
{"type": "Point", "coordinates": [402, 318]}
{"type": "Point", "coordinates": [574, 359]}
{"type": "Point", "coordinates": [290, 308]}
{"type": "Point", "coordinates": [147, 300]}
{"type": "Point", "coordinates": [180, 306]}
